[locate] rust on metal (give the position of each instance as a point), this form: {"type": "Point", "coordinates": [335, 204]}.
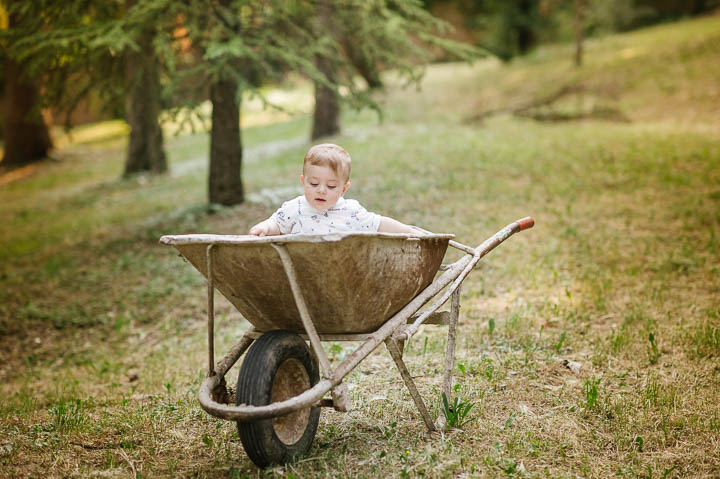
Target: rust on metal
{"type": "Point", "coordinates": [290, 380]}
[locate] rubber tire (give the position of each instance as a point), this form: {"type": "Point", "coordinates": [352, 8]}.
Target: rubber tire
{"type": "Point", "coordinates": [254, 387]}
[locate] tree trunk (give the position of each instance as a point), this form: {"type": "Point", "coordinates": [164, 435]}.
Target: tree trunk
{"type": "Point", "coordinates": [326, 119]}
{"type": "Point", "coordinates": [26, 136]}
{"type": "Point", "coordinates": [578, 32]}
{"type": "Point", "coordinates": [525, 33]}
{"type": "Point", "coordinates": [698, 6]}
{"type": "Point", "coordinates": [143, 104]}
{"type": "Point", "coordinates": [225, 176]}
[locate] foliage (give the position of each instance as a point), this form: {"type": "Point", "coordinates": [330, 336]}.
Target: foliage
{"type": "Point", "coordinates": [277, 37]}
{"type": "Point", "coordinates": [591, 388]}
{"type": "Point", "coordinates": [505, 28]}
{"type": "Point", "coordinates": [73, 48]}
{"type": "Point", "coordinates": [248, 42]}
{"type": "Point", "coordinates": [455, 413]}
{"type": "Point", "coordinates": [253, 42]}
{"type": "Point", "coordinates": [399, 35]}
{"type": "Point", "coordinates": [653, 350]}
{"type": "Point", "coordinates": [510, 28]}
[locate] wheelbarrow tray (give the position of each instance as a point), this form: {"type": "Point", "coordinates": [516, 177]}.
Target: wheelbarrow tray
{"type": "Point", "coordinates": [352, 282]}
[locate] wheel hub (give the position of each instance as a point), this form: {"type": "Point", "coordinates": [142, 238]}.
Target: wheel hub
{"type": "Point", "coordinates": [290, 380]}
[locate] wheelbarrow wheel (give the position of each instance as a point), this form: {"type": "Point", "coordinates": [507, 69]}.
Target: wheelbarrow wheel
{"type": "Point", "coordinates": [278, 366]}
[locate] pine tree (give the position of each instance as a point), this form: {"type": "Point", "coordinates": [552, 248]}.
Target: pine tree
{"type": "Point", "coordinates": [225, 48]}
{"type": "Point", "coordinates": [326, 116]}
{"type": "Point", "coordinates": [25, 133]}
{"type": "Point", "coordinates": [72, 48]}
{"type": "Point", "coordinates": [363, 38]}
{"type": "Point", "coordinates": [236, 45]}
{"type": "Point", "coordinates": [145, 152]}
{"type": "Point", "coordinates": [225, 171]}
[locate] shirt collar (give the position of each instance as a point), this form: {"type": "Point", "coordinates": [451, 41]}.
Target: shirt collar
{"type": "Point", "coordinates": [304, 202]}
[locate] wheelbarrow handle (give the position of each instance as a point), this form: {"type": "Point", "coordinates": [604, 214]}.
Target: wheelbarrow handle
{"type": "Point", "coordinates": [514, 227]}
{"type": "Point", "coordinates": [464, 265]}
{"type": "Point", "coordinates": [526, 223]}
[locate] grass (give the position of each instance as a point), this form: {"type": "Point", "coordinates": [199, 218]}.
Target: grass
{"type": "Point", "coordinates": [455, 412]}
{"type": "Point", "coordinates": [102, 332]}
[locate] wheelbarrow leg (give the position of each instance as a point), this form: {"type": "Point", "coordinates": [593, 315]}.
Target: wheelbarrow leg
{"type": "Point", "coordinates": [450, 351]}
{"type": "Point", "coordinates": [210, 310]}
{"type": "Point", "coordinates": [394, 350]}
{"type": "Point", "coordinates": [401, 346]}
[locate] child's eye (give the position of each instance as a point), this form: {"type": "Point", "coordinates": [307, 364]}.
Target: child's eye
{"type": "Point", "coordinates": [313, 184]}
{"type": "Point", "coordinates": [331, 187]}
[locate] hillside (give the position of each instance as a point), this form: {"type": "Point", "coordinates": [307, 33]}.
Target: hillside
{"type": "Point", "coordinates": [662, 74]}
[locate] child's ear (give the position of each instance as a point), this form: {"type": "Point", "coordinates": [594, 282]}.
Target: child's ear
{"type": "Point", "coordinates": [302, 180]}
{"type": "Point", "coordinates": [345, 188]}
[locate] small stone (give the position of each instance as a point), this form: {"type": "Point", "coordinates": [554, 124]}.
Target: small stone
{"type": "Point", "coordinates": [573, 366]}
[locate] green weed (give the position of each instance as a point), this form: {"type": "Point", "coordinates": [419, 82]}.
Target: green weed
{"type": "Point", "coordinates": [713, 423]}
{"type": "Point", "coordinates": [704, 340]}
{"type": "Point", "coordinates": [68, 415]}
{"type": "Point", "coordinates": [486, 367]}
{"type": "Point", "coordinates": [456, 412]}
{"type": "Point", "coordinates": [619, 339]}
{"type": "Point", "coordinates": [591, 389]}
{"type": "Point", "coordinates": [652, 392]}
{"type": "Point", "coordinates": [652, 349]}
{"type": "Point", "coordinates": [515, 324]}
{"type": "Point", "coordinates": [559, 344]}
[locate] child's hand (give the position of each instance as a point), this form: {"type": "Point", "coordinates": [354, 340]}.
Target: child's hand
{"type": "Point", "coordinates": [259, 230]}
{"type": "Point", "coordinates": [265, 228]}
{"type": "Point", "coordinates": [389, 225]}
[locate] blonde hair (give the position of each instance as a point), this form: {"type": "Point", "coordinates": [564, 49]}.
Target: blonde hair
{"type": "Point", "coordinates": [333, 156]}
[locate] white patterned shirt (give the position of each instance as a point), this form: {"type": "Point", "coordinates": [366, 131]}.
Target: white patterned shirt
{"type": "Point", "coordinates": [297, 216]}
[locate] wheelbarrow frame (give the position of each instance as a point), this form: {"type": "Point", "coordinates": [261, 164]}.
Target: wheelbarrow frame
{"type": "Point", "coordinates": [213, 394]}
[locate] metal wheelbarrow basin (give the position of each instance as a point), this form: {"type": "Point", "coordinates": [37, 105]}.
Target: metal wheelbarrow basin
{"type": "Point", "coordinates": [352, 283]}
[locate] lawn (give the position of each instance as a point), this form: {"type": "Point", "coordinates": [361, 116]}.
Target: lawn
{"type": "Point", "coordinates": [588, 346]}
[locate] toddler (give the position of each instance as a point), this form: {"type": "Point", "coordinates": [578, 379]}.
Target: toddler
{"type": "Point", "coordinates": [322, 208]}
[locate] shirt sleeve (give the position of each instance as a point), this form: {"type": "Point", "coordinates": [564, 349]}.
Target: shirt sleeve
{"type": "Point", "coordinates": [286, 216]}
{"type": "Point", "coordinates": [362, 219]}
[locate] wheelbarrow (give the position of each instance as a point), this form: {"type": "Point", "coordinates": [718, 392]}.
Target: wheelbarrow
{"type": "Point", "coordinates": [295, 289]}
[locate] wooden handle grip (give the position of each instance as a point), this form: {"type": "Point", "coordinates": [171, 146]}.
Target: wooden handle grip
{"type": "Point", "coordinates": [526, 223]}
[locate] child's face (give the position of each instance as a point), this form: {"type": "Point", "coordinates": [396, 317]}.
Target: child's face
{"type": "Point", "coordinates": [322, 187]}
